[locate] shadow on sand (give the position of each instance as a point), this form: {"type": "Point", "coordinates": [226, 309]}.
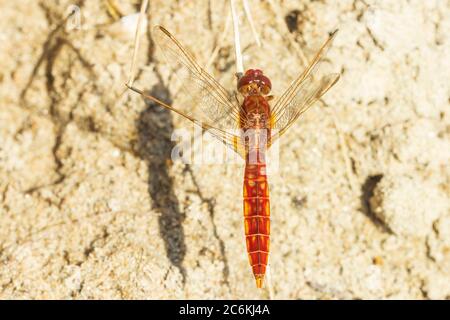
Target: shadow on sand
{"type": "Point", "coordinates": [155, 128]}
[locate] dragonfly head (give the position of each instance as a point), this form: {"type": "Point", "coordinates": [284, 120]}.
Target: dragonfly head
{"type": "Point", "coordinates": [254, 82]}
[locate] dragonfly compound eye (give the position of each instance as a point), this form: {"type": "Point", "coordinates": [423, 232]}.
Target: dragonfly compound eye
{"type": "Point", "coordinates": [254, 76]}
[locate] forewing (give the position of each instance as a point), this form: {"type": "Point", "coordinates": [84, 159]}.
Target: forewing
{"type": "Point", "coordinates": [210, 102]}
{"type": "Point", "coordinates": [210, 105]}
{"type": "Point", "coordinates": [302, 93]}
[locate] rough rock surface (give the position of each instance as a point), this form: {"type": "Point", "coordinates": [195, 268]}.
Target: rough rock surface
{"type": "Point", "coordinates": [91, 206]}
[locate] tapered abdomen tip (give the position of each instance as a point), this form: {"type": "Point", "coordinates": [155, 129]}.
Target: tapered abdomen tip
{"type": "Point", "coordinates": [259, 280]}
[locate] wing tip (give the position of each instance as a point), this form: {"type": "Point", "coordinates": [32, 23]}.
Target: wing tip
{"type": "Point", "coordinates": [330, 80]}
{"type": "Point", "coordinates": [161, 28]}
{"type": "Point", "coordinates": [336, 76]}
{"type": "Point", "coordinates": [333, 33]}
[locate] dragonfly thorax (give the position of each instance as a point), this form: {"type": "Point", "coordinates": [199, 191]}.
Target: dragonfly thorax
{"type": "Point", "coordinates": [256, 120]}
{"type": "Point", "coordinates": [255, 112]}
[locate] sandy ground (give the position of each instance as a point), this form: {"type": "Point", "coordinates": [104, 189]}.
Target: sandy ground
{"type": "Point", "coordinates": [92, 207]}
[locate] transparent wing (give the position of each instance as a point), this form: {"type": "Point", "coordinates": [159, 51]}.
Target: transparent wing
{"type": "Point", "coordinates": [211, 106]}
{"type": "Point", "coordinates": [228, 138]}
{"type": "Point", "coordinates": [302, 93]}
{"type": "Point", "coordinates": [308, 93]}
{"type": "Point", "coordinates": [211, 103]}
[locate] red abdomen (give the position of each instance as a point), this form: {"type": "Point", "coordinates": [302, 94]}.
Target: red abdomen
{"type": "Point", "coordinates": [257, 218]}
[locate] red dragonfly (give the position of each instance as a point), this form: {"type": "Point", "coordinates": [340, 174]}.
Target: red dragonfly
{"type": "Point", "coordinates": [258, 121]}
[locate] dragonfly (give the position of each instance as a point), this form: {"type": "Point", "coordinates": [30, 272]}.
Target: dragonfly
{"type": "Point", "coordinates": [249, 122]}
